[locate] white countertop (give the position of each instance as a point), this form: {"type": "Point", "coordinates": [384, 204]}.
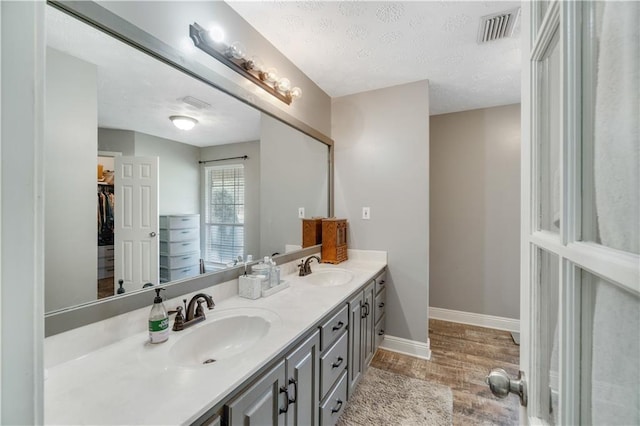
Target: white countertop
{"type": "Point", "coordinates": [133, 382]}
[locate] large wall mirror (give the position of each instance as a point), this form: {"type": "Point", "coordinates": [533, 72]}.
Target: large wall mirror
{"type": "Point", "coordinates": [232, 186]}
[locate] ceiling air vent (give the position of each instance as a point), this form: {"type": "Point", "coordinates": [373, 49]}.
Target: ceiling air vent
{"type": "Point", "coordinates": [195, 102]}
{"type": "Point", "coordinates": [498, 25]}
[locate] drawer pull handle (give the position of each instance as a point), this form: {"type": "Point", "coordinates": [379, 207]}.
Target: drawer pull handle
{"type": "Point", "coordinates": [293, 382]}
{"type": "Point", "coordinates": [285, 390]}
{"type": "Point", "coordinates": [382, 282]}
{"type": "Point", "coordinates": [185, 244]}
{"type": "Point", "coordinates": [381, 332]}
{"type": "Point", "coordinates": [337, 364]}
{"type": "Point", "coordinates": [337, 407]}
{"type": "Point", "coordinates": [381, 305]}
{"type": "Point", "coordinates": [185, 219]}
{"type": "Point", "coordinates": [184, 232]}
{"type": "Point", "coordinates": [189, 257]}
{"type": "Point", "coordinates": [338, 326]}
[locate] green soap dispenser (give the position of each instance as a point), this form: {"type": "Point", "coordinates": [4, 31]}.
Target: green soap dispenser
{"type": "Point", "coordinates": [158, 320]}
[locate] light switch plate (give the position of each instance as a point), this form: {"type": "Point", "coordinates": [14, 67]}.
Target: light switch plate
{"type": "Point", "coordinates": [366, 213]}
{"type": "Point", "coordinates": [301, 212]}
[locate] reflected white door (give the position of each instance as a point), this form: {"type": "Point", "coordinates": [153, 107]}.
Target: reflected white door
{"type": "Point", "coordinates": [580, 269]}
{"type": "Point", "coordinates": [136, 221]}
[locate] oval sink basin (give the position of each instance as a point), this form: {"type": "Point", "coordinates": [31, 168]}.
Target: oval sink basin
{"type": "Point", "coordinates": [221, 339]}
{"type": "Point", "coordinates": [329, 277]}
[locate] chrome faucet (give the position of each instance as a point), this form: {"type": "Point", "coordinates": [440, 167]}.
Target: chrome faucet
{"type": "Point", "coordinates": [194, 314]}
{"type": "Point", "coordinates": [305, 268]}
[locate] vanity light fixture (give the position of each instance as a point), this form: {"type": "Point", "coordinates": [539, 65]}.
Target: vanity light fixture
{"type": "Point", "coordinates": [235, 56]}
{"type": "Point", "coordinates": [183, 122]}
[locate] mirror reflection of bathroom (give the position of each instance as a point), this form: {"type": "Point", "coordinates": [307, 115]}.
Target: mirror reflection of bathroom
{"type": "Point", "coordinates": [105, 224]}
{"type": "Point", "coordinates": [108, 100]}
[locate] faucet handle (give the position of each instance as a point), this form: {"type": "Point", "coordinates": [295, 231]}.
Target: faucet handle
{"type": "Point", "coordinates": [199, 309]}
{"type": "Point", "coordinates": [178, 323]}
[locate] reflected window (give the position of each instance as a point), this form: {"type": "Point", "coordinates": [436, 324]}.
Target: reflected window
{"type": "Point", "coordinates": [224, 213]}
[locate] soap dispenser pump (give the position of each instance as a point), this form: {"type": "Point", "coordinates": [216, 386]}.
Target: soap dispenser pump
{"type": "Point", "coordinates": [158, 320]}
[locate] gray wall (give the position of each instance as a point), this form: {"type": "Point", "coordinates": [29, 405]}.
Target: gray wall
{"type": "Point", "coordinates": [179, 180]}
{"type": "Point", "coordinates": [382, 161]}
{"type": "Point", "coordinates": [71, 136]}
{"type": "Point", "coordinates": [293, 174]}
{"type": "Point", "coordinates": [252, 187]}
{"type": "Point", "coordinates": [475, 211]}
{"type": "Point", "coordinates": [115, 140]}
{"type": "Point", "coordinates": [170, 20]}
{"type": "Point", "coordinates": [21, 212]}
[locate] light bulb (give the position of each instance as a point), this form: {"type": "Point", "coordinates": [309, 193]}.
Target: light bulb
{"type": "Point", "coordinates": [283, 85]}
{"type": "Point", "coordinates": [295, 93]}
{"type": "Point", "coordinates": [258, 65]}
{"type": "Point", "coordinates": [271, 75]}
{"type": "Point", "coordinates": [236, 50]}
{"type": "Point", "coordinates": [216, 34]}
{"type": "Point", "coordinates": [183, 122]}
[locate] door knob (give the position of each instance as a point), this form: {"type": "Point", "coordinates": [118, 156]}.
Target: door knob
{"type": "Point", "coordinates": [152, 234]}
{"type": "Point", "coordinates": [501, 385]}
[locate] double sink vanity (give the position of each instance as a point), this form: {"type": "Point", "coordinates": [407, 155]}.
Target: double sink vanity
{"type": "Point", "coordinates": [293, 358]}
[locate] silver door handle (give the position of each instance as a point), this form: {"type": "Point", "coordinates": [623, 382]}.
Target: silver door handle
{"type": "Point", "coordinates": [501, 385]}
{"type": "Point", "coordinates": [152, 234]}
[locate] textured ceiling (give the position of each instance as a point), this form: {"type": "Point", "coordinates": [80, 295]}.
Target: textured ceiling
{"type": "Point", "coordinates": [137, 92]}
{"type": "Point", "coordinates": [350, 47]}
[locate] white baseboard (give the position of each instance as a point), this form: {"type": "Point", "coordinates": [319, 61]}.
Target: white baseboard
{"type": "Point", "coordinates": [490, 321]}
{"type": "Point", "coordinates": [406, 346]}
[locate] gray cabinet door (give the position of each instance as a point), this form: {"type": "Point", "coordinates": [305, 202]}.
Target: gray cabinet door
{"type": "Point", "coordinates": [303, 382]}
{"type": "Point", "coordinates": [263, 404]}
{"type": "Point", "coordinates": [368, 325]}
{"type": "Point", "coordinates": [355, 342]}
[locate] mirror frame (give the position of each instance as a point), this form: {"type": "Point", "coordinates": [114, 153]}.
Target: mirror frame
{"type": "Point", "coordinates": [102, 19]}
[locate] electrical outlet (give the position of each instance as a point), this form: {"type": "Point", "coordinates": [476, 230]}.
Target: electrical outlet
{"type": "Point", "coordinates": [301, 212]}
{"type": "Point", "coordinates": [366, 213]}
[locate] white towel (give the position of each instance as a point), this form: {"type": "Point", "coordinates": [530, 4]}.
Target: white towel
{"type": "Point", "coordinates": [615, 372]}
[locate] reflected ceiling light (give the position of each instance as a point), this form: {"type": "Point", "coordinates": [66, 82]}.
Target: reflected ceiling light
{"type": "Point", "coordinates": [183, 122]}
{"type": "Point", "coordinates": [235, 57]}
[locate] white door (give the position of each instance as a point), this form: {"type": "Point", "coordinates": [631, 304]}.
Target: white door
{"type": "Point", "coordinates": [580, 264]}
{"type": "Point", "coordinates": [136, 222]}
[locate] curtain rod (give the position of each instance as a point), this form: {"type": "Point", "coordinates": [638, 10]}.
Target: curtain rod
{"type": "Point", "coordinates": [244, 157]}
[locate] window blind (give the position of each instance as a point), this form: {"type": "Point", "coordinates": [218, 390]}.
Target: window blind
{"type": "Point", "coordinates": [224, 213]}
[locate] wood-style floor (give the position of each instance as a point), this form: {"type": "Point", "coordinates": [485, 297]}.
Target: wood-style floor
{"type": "Point", "coordinates": [461, 357]}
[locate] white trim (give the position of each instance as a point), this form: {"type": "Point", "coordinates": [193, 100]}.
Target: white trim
{"type": "Point", "coordinates": [406, 346]}
{"type": "Point", "coordinates": [480, 320]}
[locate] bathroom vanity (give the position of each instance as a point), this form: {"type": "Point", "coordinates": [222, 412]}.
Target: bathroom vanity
{"type": "Point", "coordinates": [291, 358]}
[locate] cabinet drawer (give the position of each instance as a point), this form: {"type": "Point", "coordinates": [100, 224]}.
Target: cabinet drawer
{"type": "Point", "coordinates": [381, 281]}
{"type": "Point", "coordinates": [180, 261]}
{"type": "Point", "coordinates": [330, 330]}
{"type": "Point", "coordinates": [184, 247]}
{"type": "Point", "coordinates": [106, 272]}
{"type": "Point", "coordinates": [379, 307]}
{"type": "Point", "coordinates": [333, 406]}
{"type": "Point", "coordinates": [106, 251]}
{"type": "Point", "coordinates": [106, 262]}
{"type": "Point", "coordinates": [180, 221]}
{"type": "Point", "coordinates": [179, 234]}
{"type": "Point", "coordinates": [179, 273]}
{"type": "Point", "coordinates": [379, 332]}
{"type": "Point", "coordinates": [333, 363]}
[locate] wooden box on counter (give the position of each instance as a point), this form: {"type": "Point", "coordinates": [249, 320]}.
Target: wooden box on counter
{"type": "Point", "coordinates": [334, 240]}
{"type": "Point", "coordinates": [311, 231]}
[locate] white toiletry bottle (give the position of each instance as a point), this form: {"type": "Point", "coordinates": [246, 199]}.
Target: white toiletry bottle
{"type": "Point", "coordinates": [158, 320]}
{"type": "Point", "coordinates": [274, 274]}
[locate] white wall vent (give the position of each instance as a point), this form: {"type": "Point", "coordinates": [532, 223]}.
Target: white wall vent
{"type": "Point", "coordinates": [195, 102]}
{"type": "Point", "coordinates": [498, 25]}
